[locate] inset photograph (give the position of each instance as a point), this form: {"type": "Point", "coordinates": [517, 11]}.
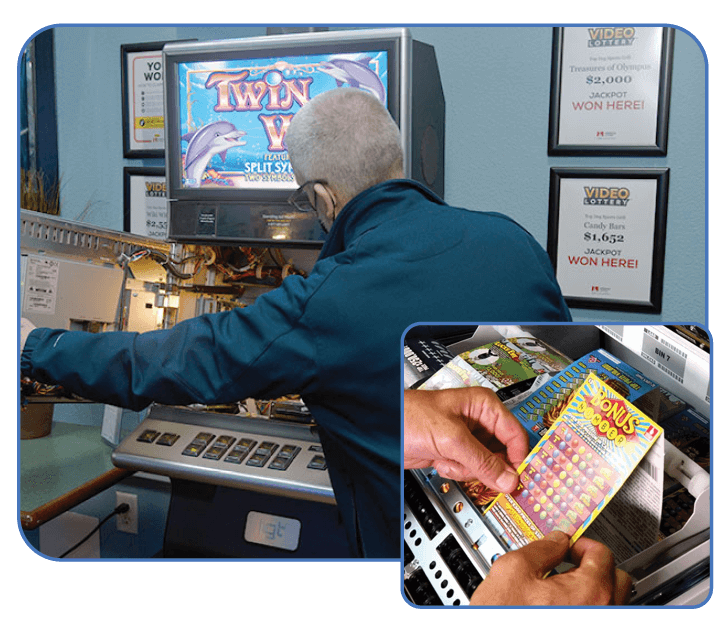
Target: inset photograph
{"type": "Point", "coordinates": [559, 465]}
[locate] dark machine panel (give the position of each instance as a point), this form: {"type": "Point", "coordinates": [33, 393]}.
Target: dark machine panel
{"type": "Point", "coordinates": [241, 486]}
{"type": "Point", "coordinates": [244, 453]}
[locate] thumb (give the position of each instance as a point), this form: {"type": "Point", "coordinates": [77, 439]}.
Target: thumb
{"type": "Point", "coordinates": [545, 554]}
{"type": "Point", "coordinates": [479, 463]}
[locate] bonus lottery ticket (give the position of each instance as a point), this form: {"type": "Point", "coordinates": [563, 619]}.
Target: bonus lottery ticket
{"type": "Point", "coordinates": [576, 468]}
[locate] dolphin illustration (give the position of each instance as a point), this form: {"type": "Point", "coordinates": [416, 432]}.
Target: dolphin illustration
{"type": "Point", "coordinates": [212, 139]}
{"type": "Point", "coordinates": [356, 74]}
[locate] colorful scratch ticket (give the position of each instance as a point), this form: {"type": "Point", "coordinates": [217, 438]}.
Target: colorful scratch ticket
{"type": "Point", "coordinates": [576, 468]}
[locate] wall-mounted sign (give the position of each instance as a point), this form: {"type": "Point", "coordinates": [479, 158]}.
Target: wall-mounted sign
{"type": "Point", "coordinates": [607, 236]}
{"type": "Point", "coordinates": [610, 90]}
{"type": "Point", "coordinates": [145, 209]}
{"type": "Point", "coordinates": [143, 118]}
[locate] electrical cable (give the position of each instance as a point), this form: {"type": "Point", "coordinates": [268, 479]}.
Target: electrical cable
{"type": "Point", "coordinates": [121, 508]}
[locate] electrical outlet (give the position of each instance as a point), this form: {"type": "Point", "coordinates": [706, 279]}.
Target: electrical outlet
{"type": "Point", "coordinates": [127, 522]}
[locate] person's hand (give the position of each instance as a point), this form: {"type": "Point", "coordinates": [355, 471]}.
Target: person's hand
{"type": "Point", "coordinates": [25, 328]}
{"type": "Point", "coordinates": [466, 434]}
{"type": "Point", "coordinates": [516, 578]}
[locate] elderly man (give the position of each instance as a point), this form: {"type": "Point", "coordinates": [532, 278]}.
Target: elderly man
{"type": "Point", "coordinates": [395, 254]}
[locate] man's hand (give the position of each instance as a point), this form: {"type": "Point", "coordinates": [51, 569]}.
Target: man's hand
{"type": "Point", "coordinates": [466, 434]}
{"type": "Point", "coordinates": [517, 577]}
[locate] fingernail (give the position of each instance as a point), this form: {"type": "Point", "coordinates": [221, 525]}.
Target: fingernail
{"type": "Point", "coordinates": [557, 536]}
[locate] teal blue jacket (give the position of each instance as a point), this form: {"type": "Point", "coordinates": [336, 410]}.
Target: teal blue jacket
{"type": "Point", "coordinates": [396, 255]}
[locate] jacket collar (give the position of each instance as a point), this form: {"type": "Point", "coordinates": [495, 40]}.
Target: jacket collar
{"type": "Point", "coordinates": [370, 208]}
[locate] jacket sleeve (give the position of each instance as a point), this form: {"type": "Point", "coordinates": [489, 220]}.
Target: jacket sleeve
{"type": "Point", "coordinates": [265, 349]}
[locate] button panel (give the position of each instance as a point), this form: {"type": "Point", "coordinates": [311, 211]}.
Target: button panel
{"type": "Point", "coordinates": [213, 449]}
{"type": "Point", "coordinates": [275, 460]}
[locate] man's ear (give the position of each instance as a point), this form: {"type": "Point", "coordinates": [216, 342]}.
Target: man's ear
{"type": "Point", "coordinates": [325, 203]}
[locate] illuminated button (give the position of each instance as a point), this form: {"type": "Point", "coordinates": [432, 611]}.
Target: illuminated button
{"type": "Point", "coordinates": [219, 448]}
{"type": "Point", "coordinates": [193, 449]}
{"type": "Point", "coordinates": [285, 457]}
{"type": "Point", "coordinates": [258, 460]}
{"type": "Point", "coordinates": [167, 439]}
{"type": "Point", "coordinates": [262, 454]}
{"type": "Point", "coordinates": [266, 448]}
{"type": "Point", "coordinates": [245, 442]}
{"type": "Point", "coordinates": [214, 452]}
{"type": "Point", "coordinates": [288, 450]}
{"type": "Point", "coordinates": [239, 452]}
{"type": "Point", "coordinates": [197, 445]}
{"type": "Point", "coordinates": [317, 463]}
{"type": "Point", "coordinates": [148, 436]}
{"type": "Point", "coordinates": [234, 457]}
{"type": "Point", "coordinates": [279, 463]}
{"type": "Point", "coordinates": [203, 438]}
{"type": "Point", "coordinates": [224, 441]}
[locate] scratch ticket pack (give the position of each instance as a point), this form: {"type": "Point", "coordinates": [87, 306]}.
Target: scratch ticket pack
{"type": "Point", "coordinates": [422, 357]}
{"type": "Point", "coordinates": [541, 409]}
{"type": "Point", "coordinates": [509, 367]}
{"type": "Point", "coordinates": [505, 363]}
{"type": "Point", "coordinates": [576, 468]}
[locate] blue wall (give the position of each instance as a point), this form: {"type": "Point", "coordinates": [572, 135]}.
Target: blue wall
{"type": "Point", "coordinates": [496, 85]}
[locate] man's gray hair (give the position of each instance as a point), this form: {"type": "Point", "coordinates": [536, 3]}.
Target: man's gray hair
{"type": "Point", "coordinates": [347, 137]}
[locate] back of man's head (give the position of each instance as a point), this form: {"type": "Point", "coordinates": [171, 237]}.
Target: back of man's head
{"type": "Point", "coordinates": [347, 137]}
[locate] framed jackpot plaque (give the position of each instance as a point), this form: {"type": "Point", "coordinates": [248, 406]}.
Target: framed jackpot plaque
{"type": "Point", "coordinates": [143, 117]}
{"type": "Point", "coordinates": [141, 71]}
{"type": "Point", "coordinates": [607, 236]}
{"type": "Point", "coordinates": [145, 210]}
{"type": "Point", "coordinates": [610, 90]}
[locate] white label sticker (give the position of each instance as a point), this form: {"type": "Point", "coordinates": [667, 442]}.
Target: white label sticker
{"type": "Point", "coordinates": [41, 285]}
{"type": "Point", "coordinates": [664, 355]}
{"type": "Point", "coordinates": [272, 530]}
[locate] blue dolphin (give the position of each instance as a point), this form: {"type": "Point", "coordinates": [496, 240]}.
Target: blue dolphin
{"type": "Point", "coordinates": [212, 139]}
{"type": "Point", "coordinates": [356, 74]}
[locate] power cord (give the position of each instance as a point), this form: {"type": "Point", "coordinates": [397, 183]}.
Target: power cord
{"type": "Point", "coordinates": [121, 508]}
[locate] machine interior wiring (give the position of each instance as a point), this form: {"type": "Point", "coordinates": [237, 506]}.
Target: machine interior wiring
{"type": "Point", "coordinates": [237, 264]}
